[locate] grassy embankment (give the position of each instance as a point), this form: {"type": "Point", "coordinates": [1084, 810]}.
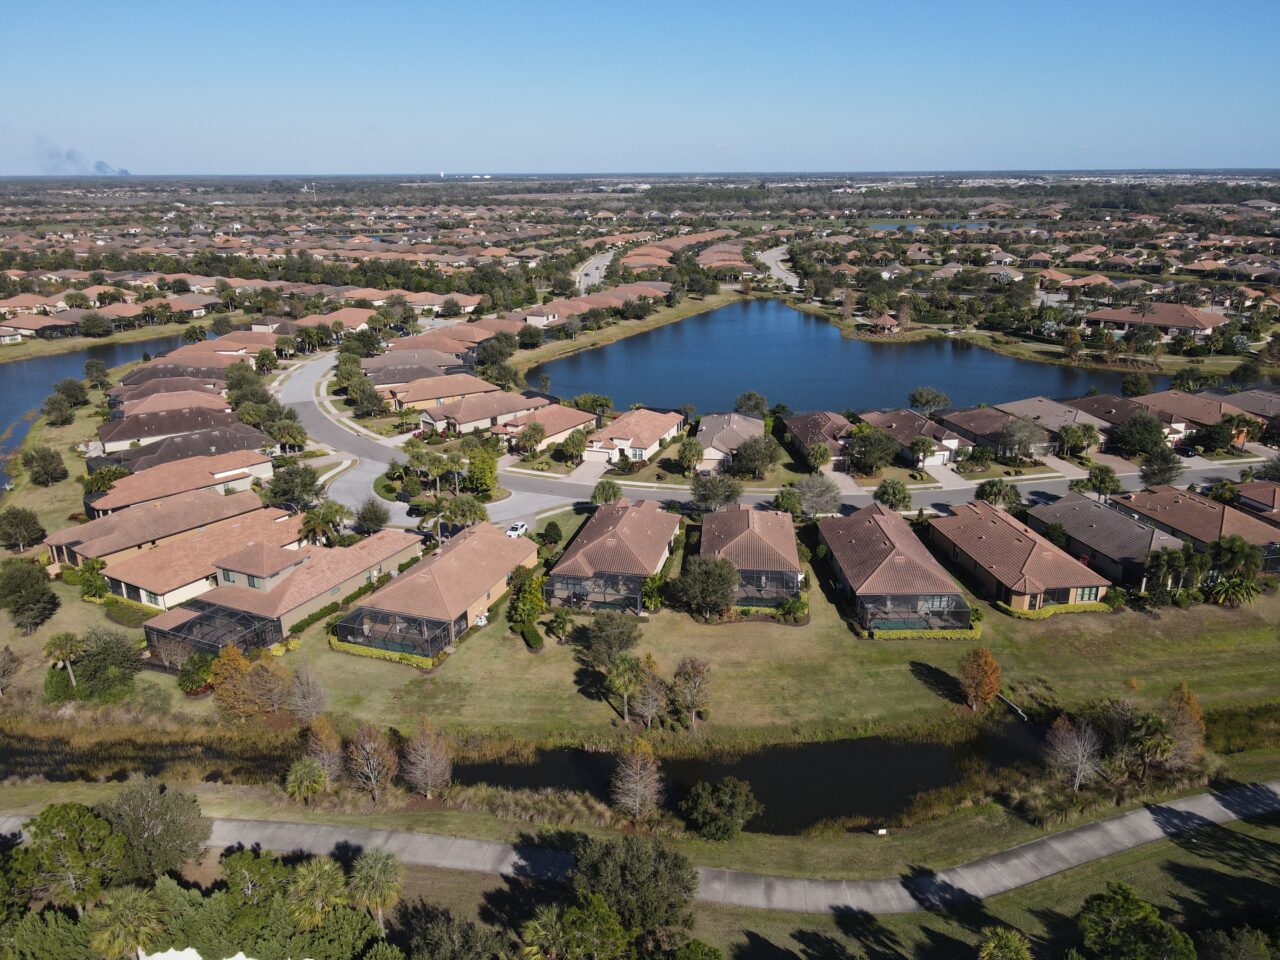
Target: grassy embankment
{"type": "Point", "coordinates": [35, 347]}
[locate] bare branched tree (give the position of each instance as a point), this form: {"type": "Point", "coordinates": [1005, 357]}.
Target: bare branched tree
{"type": "Point", "coordinates": [637, 782]}
{"type": "Point", "coordinates": [172, 651]}
{"type": "Point", "coordinates": [1074, 751]}
{"type": "Point", "coordinates": [307, 697]}
{"type": "Point", "coordinates": [650, 700]}
{"type": "Point", "coordinates": [325, 748]}
{"type": "Point", "coordinates": [428, 762]}
{"type": "Point", "coordinates": [372, 762]}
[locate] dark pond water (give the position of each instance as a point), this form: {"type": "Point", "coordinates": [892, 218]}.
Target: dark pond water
{"type": "Point", "coordinates": [803, 361]}
{"type": "Point", "coordinates": [799, 785]}
{"type": "Point", "coordinates": [25, 383]}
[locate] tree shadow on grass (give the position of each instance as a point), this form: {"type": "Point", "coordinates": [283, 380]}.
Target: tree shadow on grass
{"type": "Point", "coordinates": [756, 947]}
{"type": "Point", "coordinates": [938, 681]}
{"type": "Point", "coordinates": [943, 898]}
{"type": "Point", "coordinates": [876, 940]}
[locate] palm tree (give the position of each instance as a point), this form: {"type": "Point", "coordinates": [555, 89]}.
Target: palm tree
{"type": "Point", "coordinates": [625, 677]}
{"type": "Point", "coordinates": [64, 649]}
{"type": "Point", "coordinates": [545, 937]}
{"type": "Point", "coordinates": [1004, 943]}
{"type": "Point", "coordinates": [316, 888]}
{"type": "Point", "coordinates": [466, 510]}
{"type": "Point", "coordinates": [1233, 591]}
{"type": "Point", "coordinates": [1152, 741]}
{"type": "Point", "coordinates": [324, 521]}
{"type": "Point", "coordinates": [999, 492]}
{"type": "Point", "coordinates": [129, 922]}
{"type": "Point", "coordinates": [306, 779]}
{"type": "Point", "coordinates": [456, 466]}
{"type": "Point", "coordinates": [377, 879]}
{"type": "Point", "coordinates": [435, 466]}
{"type": "Point", "coordinates": [92, 582]}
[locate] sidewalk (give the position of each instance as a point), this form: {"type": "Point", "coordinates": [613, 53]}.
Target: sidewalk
{"type": "Point", "coordinates": [923, 889]}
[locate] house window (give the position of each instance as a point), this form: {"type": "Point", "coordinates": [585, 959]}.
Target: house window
{"type": "Point", "coordinates": [368, 576]}
{"type": "Point", "coordinates": [253, 582]}
{"type": "Point", "coordinates": [1087, 595]}
{"type": "Point", "coordinates": [153, 599]}
{"type": "Point", "coordinates": [940, 602]}
{"type": "Point", "coordinates": [1062, 595]}
{"type": "Point", "coordinates": [228, 576]}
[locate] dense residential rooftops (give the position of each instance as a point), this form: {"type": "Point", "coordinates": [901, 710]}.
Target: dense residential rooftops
{"type": "Point", "coordinates": [1050, 414]}
{"type": "Point", "coordinates": [164, 423]}
{"type": "Point", "coordinates": [1015, 555]}
{"type": "Point", "coordinates": [1199, 408]}
{"type": "Point", "coordinates": [751, 539]}
{"type": "Point", "coordinates": [450, 581]}
{"type": "Point", "coordinates": [877, 553]}
{"type": "Point", "coordinates": [1106, 531]}
{"type": "Point", "coordinates": [211, 442]}
{"type": "Point", "coordinates": [1197, 517]}
{"type": "Point", "coordinates": [620, 538]}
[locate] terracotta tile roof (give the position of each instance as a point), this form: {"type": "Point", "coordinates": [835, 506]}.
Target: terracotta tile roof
{"type": "Point", "coordinates": [234, 436]}
{"type": "Point", "coordinates": [554, 417]}
{"type": "Point", "coordinates": [258, 559]}
{"type": "Point", "coordinates": [1050, 414]}
{"type": "Point", "coordinates": [125, 393]}
{"type": "Point", "coordinates": [176, 400]}
{"type": "Point", "coordinates": [350, 318]}
{"type": "Point", "coordinates": [806, 429]}
{"type": "Point", "coordinates": [979, 422]}
{"type": "Point", "coordinates": [449, 582]}
{"type": "Point", "coordinates": [164, 423]}
{"type": "Point", "coordinates": [620, 538]}
{"type": "Point", "coordinates": [449, 385]}
{"type": "Point", "coordinates": [179, 476]}
{"type": "Point", "coordinates": [1104, 530]}
{"type": "Point", "coordinates": [1113, 409]}
{"type": "Point", "coordinates": [1177, 315]}
{"type": "Point", "coordinates": [154, 520]}
{"type": "Point", "coordinates": [906, 425]}
{"type": "Point", "coordinates": [1196, 517]}
{"type": "Point", "coordinates": [483, 406]}
{"type": "Point", "coordinates": [639, 428]}
{"type": "Point", "coordinates": [878, 554]}
{"type": "Point", "coordinates": [322, 569]}
{"type": "Point", "coordinates": [180, 562]}
{"type": "Point", "coordinates": [1018, 557]}
{"type": "Point", "coordinates": [1266, 492]}
{"type": "Point", "coordinates": [751, 539]}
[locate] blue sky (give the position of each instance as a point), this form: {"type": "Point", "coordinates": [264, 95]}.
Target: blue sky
{"type": "Point", "coordinates": [495, 86]}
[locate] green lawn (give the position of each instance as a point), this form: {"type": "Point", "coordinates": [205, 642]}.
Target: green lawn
{"type": "Point", "coordinates": [897, 473]}
{"type": "Point", "coordinates": [999, 470]}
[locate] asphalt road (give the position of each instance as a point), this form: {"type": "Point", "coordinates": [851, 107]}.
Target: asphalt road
{"type": "Point", "coordinates": [591, 273]}
{"type": "Point", "coordinates": [919, 891]}
{"type": "Point", "coordinates": [773, 260]}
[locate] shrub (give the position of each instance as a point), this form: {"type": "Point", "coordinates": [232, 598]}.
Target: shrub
{"type": "Point", "coordinates": [193, 677]}
{"type": "Point", "coordinates": [316, 617]}
{"type": "Point", "coordinates": [720, 812]}
{"type": "Point", "coordinates": [1044, 613]}
{"type": "Point", "coordinates": [973, 633]}
{"type": "Point", "coordinates": [373, 653]}
{"type": "Point", "coordinates": [276, 650]}
{"type": "Point", "coordinates": [407, 564]}
{"type": "Point", "coordinates": [1116, 599]}
{"type": "Point", "coordinates": [366, 588]}
{"type": "Point", "coordinates": [57, 686]}
{"type": "Point", "coordinates": [293, 643]}
{"type": "Point", "coordinates": [531, 635]}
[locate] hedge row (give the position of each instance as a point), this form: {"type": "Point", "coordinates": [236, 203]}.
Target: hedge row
{"type": "Point", "coordinates": [373, 653]}
{"type": "Point", "coordinates": [316, 617]}
{"type": "Point", "coordinates": [529, 633]}
{"type": "Point", "coordinates": [1044, 613]}
{"type": "Point", "coordinates": [363, 589]}
{"type": "Point", "coordinates": [972, 633]}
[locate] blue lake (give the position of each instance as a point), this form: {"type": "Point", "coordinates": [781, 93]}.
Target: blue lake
{"type": "Point", "coordinates": [25, 383]}
{"type": "Point", "coordinates": [801, 360]}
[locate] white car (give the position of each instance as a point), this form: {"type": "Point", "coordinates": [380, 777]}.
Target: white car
{"type": "Point", "coordinates": [517, 529]}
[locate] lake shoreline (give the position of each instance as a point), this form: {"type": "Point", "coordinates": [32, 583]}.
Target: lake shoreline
{"type": "Point", "coordinates": [63, 345]}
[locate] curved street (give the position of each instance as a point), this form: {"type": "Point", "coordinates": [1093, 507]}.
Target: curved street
{"type": "Point", "coordinates": [920, 890]}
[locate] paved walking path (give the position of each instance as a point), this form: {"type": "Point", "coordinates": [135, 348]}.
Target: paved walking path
{"type": "Point", "coordinates": [923, 890]}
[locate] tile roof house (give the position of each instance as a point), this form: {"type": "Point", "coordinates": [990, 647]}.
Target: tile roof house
{"type": "Point", "coordinates": [1261, 497]}
{"type": "Point", "coordinates": [722, 433]}
{"type": "Point", "coordinates": [558, 421]}
{"type": "Point", "coordinates": [427, 609]}
{"type": "Point", "coordinates": [1010, 561]}
{"type": "Point", "coordinates": [437, 391]}
{"type": "Point", "coordinates": [1199, 519]}
{"type": "Point", "coordinates": [825, 427]}
{"type": "Point", "coordinates": [211, 442]}
{"type": "Point", "coordinates": [481, 411]}
{"type": "Point", "coordinates": [1113, 543]}
{"type": "Point", "coordinates": [617, 549]}
{"type": "Point", "coordinates": [146, 428]}
{"type": "Point", "coordinates": [1114, 410]}
{"type": "Point", "coordinates": [893, 580]}
{"type": "Point", "coordinates": [178, 570]}
{"type": "Point", "coordinates": [235, 471]}
{"type": "Point", "coordinates": [265, 589]}
{"type": "Point", "coordinates": [906, 426]}
{"type": "Point", "coordinates": [1169, 318]}
{"type": "Point", "coordinates": [634, 435]}
{"type": "Point", "coordinates": [761, 544]}
{"type": "Point", "coordinates": [1195, 409]}
{"type": "Point", "coordinates": [146, 525]}
{"type": "Point", "coordinates": [1051, 415]}
{"type": "Point", "coordinates": [1262, 402]}
{"type": "Point", "coordinates": [172, 400]}
{"type": "Point", "coordinates": [351, 319]}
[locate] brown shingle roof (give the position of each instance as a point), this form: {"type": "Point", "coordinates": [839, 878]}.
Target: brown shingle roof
{"type": "Point", "coordinates": [1190, 407]}
{"type": "Point", "coordinates": [621, 538]}
{"type": "Point", "coordinates": [1013, 553]}
{"type": "Point", "coordinates": [751, 539]}
{"type": "Point", "coordinates": [878, 554]}
{"type": "Point", "coordinates": [452, 580]}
